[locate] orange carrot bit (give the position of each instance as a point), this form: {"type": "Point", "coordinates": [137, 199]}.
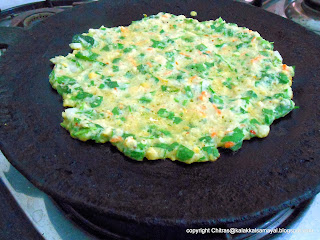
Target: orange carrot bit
{"type": "Point", "coordinates": [208, 52]}
{"type": "Point", "coordinates": [177, 63]}
{"type": "Point", "coordinates": [184, 54]}
{"type": "Point", "coordinates": [203, 107]}
{"type": "Point", "coordinates": [149, 64]}
{"type": "Point", "coordinates": [203, 113]}
{"type": "Point", "coordinates": [229, 144]}
{"type": "Point", "coordinates": [253, 132]}
{"type": "Point", "coordinates": [213, 134]}
{"type": "Point", "coordinates": [254, 38]}
{"type": "Point", "coordinates": [204, 93]}
{"type": "Point", "coordinates": [193, 77]}
{"type": "Point", "coordinates": [162, 79]}
{"type": "Point", "coordinates": [255, 59]}
{"type": "Point", "coordinates": [123, 29]}
{"type": "Point", "coordinates": [149, 49]}
{"type": "Point", "coordinates": [284, 66]}
{"type": "Point", "coordinates": [116, 139]}
{"type": "Point", "coordinates": [216, 108]}
{"type": "Point", "coordinates": [132, 61]}
{"type": "Point", "coordinates": [167, 73]}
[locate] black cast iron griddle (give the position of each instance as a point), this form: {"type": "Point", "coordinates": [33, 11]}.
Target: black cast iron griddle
{"type": "Point", "coordinates": [266, 175]}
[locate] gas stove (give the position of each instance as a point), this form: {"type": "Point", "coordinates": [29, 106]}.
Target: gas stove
{"type": "Point", "coordinates": [57, 220]}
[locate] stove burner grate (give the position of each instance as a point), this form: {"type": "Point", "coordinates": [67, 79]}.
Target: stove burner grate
{"type": "Point", "coordinates": [35, 18]}
{"type": "Point", "coordinates": [28, 15]}
{"type": "Point", "coordinates": [305, 13]}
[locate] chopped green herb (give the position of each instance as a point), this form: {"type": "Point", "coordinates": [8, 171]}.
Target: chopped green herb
{"type": "Point", "coordinates": [209, 65]}
{"type": "Point", "coordinates": [135, 154]}
{"type": "Point", "coordinates": [97, 102]}
{"type": "Point", "coordinates": [86, 41]}
{"type": "Point", "coordinates": [211, 90]}
{"type": "Point", "coordinates": [66, 80]}
{"type": "Point", "coordinates": [129, 75]}
{"type": "Point", "coordinates": [125, 135]}
{"type": "Point", "coordinates": [115, 68]}
{"type": "Point", "coordinates": [82, 95]}
{"type": "Point", "coordinates": [211, 150]}
{"type": "Point", "coordinates": [127, 50]}
{"type": "Point", "coordinates": [254, 121]}
{"type": "Point", "coordinates": [145, 100]}
{"type": "Point", "coordinates": [162, 112]}
{"type": "Point", "coordinates": [106, 48]}
{"type": "Point", "coordinates": [199, 67]}
{"type": "Point", "coordinates": [142, 68]}
{"type": "Point", "coordinates": [173, 146]}
{"type": "Point", "coordinates": [158, 44]}
{"type": "Point", "coordinates": [228, 83]}
{"type": "Point", "coordinates": [188, 92]}
{"type": "Point", "coordinates": [116, 60]}
{"type": "Point", "coordinates": [283, 109]}
{"type": "Point", "coordinates": [162, 145]}
{"type": "Point", "coordinates": [206, 139]}
{"type": "Point", "coordinates": [283, 78]}
{"type": "Point", "coordinates": [188, 39]}
{"type": "Point", "coordinates": [264, 53]}
{"type": "Point", "coordinates": [87, 56]}
{"type": "Point", "coordinates": [268, 116]}
{"type": "Point", "coordinates": [201, 47]}
{"type": "Point", "coordinates": [216, 99]}
{"type": "Point", "coordinates": [165, 132]}
{"type": "Point", "coordinates": [236, 136]}
{"type": "Point", "coordinates": [220, 45]}
{"type": "Point", "coordinates": [77, 120]}
{"type": "Point", "coordinates": [251, 94]}
{"type": "Point", "coordinates": [112, 84]}
{"type": "Point", "coordinates": [184, 153]}
{"type": "Point", "coordinates": [116, 111]}
{"type": "Point", "coordinates": [177, 120]}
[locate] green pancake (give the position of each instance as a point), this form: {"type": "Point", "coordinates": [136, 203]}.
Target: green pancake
{"type": "Point", "coordinates": [172, 87]}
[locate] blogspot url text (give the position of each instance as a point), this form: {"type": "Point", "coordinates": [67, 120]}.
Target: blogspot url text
{"type": "Point", "coordinates": [246, 230]}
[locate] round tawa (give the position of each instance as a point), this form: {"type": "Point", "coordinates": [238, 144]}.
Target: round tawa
{"type": "Point", "coordinates": [264, 176]}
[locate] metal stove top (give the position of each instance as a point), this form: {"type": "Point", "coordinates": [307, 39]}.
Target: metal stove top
{"type": "Point", "coordinates": [54, 224]}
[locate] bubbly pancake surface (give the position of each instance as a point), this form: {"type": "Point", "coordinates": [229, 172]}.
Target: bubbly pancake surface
{"type": "Point", "coordinates": [172, 87]}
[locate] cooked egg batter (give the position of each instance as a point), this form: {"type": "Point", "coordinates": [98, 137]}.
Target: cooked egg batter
{"type": "Point", "coordinates": [172, 87]}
